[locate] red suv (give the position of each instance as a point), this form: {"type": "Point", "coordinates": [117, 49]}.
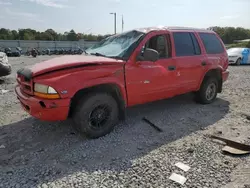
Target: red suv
{"type": "Point", "coordinates": [123, 70]}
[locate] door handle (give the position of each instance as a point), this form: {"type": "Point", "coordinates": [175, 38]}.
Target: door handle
{"type": "Point", "coordinates": [171, 68]}
{"type": "Point", "coordinates": [203, 63]}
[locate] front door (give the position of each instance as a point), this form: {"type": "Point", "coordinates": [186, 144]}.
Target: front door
{"type": "Point", "coordinates": [149, 81]}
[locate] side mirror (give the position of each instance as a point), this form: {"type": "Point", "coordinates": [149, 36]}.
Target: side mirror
{"type": "Point", "coordinates": [149, 54]}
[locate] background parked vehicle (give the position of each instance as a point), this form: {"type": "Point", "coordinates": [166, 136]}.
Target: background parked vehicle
{"type": "Point", "coordinates": [238, 56]}
{"type": "Point", "coordinates": [46, 51]}
{"type": "Point", "coordinates": [57, 51]}
{"type": "Point", "coordinates": [79, 51]}
{"type": "Point", "coordinates": [10, 53]}
{"type": "Point", "coordinates": [5, 67]}
{"type": "Point", "coordinates": [34, 52]}
{"type": "Point", "coordinates": [19, 50]}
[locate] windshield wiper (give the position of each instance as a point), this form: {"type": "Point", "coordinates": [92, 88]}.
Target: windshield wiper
{"type": "Point", "coordinates": [98, 54]}
{"type": "Point", "coordinates": [114, 57]}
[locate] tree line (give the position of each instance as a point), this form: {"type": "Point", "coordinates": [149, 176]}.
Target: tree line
{"type": "Point", "coordinates": [227, 34]}
{"type": "Point", "coordinates": [49, 34]}
{"type": "Point", "coordinates": [230, 34]}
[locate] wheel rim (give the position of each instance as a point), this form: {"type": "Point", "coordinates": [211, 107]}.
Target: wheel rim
{"type": "Point", "coordinates": [211, 91]}
{"type": "Point", "coordinates": [99, 116]}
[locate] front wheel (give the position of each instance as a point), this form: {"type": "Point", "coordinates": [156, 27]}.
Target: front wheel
{"type": "Point", "coordinates": [208, 91]}
{"type": "Point", "coordinates": [96, 115]}
{"type": "Point", "coordinates": [238, 61]}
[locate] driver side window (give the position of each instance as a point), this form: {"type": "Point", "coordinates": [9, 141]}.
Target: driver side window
{"type": "Point", "coordinates": [160, 44]}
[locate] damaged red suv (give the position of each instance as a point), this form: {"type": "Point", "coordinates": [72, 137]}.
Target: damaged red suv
{"type": "Point", "coordinates": [124, 70]}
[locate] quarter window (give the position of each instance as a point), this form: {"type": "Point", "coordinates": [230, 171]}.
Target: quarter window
{"type": "Point", "coordinates": [212, 43]}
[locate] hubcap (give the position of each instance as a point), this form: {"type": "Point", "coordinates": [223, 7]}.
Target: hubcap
{"type": "Point", "coordinates": [211, 91]}
{"type": "Point", "coordinates": [99, 116]}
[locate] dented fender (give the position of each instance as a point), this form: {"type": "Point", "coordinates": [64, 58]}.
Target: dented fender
{"type": "Point", "coordinates": [68, 82]}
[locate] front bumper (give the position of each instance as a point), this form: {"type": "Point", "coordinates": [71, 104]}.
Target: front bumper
{"type": "Point", "coordinates": [225, 75]}
{"type": "Point", "coordinates": [232, 60]}
{"type": "Point", "coordinates": [47, 110]}
{"type": "Point", "coordinates": [5, 70]}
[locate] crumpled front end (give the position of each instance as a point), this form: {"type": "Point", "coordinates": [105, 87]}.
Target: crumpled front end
{"type": "Point", "coordinates": [43, 109]}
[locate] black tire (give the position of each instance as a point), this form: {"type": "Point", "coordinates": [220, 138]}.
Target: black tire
{"type": "Point", "coordinates": [207, 85]}
{"type": "Point", "coordinates": [238, 61]}
{"type": "Point", "coordinates": [89, 106]}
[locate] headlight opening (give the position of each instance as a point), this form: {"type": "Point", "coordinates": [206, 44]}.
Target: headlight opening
{"type": "Point", "coordinates": [45, 91]}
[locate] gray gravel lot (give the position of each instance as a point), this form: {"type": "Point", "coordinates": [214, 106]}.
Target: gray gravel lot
{"type": "Point", "coordinates": [45, 154]}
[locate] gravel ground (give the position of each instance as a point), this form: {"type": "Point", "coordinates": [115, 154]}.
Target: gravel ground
{"type": "Point", "coordinates": [42, 154]}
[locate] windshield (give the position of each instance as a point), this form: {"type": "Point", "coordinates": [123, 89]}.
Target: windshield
{"type": "Point", "coordinates": [115, 46]}
{"type": "Point", "coordinates": [234, 50]}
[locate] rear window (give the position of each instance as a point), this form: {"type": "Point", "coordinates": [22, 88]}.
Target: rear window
{"type": "Point", "coordinates": [186, 44]}
{"type": "Point", "coordinates": [212, 43]}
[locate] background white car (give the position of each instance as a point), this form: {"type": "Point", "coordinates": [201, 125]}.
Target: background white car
{"type": "Point", "coordinates": [239, 56]}
{"type": "Point", "coordinates": [5, 67]}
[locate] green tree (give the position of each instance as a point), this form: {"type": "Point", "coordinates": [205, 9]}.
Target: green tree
{"type": "Point", "coordinates": [46, 36]}
{"type": "Point", "coordinates": [15, 35]}
{"type": "Point", "coordinates": [248, 45]}
{"type": "Point", "coordinates": [53, 34]}
{"type": "Point", "coordinates": [72, 36]}
{"type": "Point", "coordinates": [227, 34]}
{"type": "Point", "coordinates": [27, 36]}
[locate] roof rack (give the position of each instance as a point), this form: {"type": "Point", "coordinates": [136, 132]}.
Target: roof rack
{"type": "Point", "coordinates": [148, 29]}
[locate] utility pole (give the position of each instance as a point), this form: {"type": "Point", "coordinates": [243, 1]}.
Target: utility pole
{"type": "Point", "coordinates": [114, 13]}
{"type": "Point", "coordinates": [122, 23]}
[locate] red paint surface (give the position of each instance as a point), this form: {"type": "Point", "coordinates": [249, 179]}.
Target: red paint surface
{"type": "Point", "coordinates": [44, 113]}
{"type": "Point", "coordinates": [69, 61]}
{"type": "Point", "coordinates": [128, 76]}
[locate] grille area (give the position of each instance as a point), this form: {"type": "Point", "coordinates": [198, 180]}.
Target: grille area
{"type": "Point", "coordinates": [26, 85]}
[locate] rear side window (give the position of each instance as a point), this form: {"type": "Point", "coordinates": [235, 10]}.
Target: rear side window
{"type": "Point", "coordinates": [212, 43]}
{"type": "Point", "coordinates": [186, 44]}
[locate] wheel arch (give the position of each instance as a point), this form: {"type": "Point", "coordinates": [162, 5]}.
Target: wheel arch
{"type": "Point", "coordinates": [111, 88]}
{"type": "Point", "coordinates": [216, 73]}
{"type": "Point", "coordinates": [239, 58]}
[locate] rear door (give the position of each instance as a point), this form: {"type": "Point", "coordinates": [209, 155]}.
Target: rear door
{"type": "Point", "coordinates": [215, 51]}
{"type": "Point", "coordinates": [189, 61]}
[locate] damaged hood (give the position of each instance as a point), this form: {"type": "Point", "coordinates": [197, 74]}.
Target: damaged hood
{"type": "Point", "coordinates": [70, 61]}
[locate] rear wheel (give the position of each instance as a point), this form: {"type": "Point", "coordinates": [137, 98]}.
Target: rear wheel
{"type": "Point", "coordinates": [96, 115]}
{"type": "Point", "coordinates": [208, 91]}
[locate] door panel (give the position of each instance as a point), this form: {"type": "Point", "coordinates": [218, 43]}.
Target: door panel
{"type": "Point", "coordinates": [149, 81]}
{"type": "Point", "coordinates": [146, 81]}
{"type": "Point", "coordinates": [189, 72]}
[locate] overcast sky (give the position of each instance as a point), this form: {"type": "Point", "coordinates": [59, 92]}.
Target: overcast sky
{"type": "Point", "coordinates": [92, 16]}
